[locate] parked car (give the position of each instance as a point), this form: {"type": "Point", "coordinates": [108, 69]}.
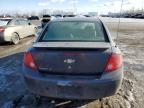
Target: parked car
{"type": "Point", "coordinates": [16, 29]}
{"type": "Point", "coordinates": [58, 16]}
{"type": "Point", "coordinates": [45, 20]}
{"type": "Point", "coordinates": [69, 16]}
{"type": "Point", "coordinates": [33, 18]}
{"type": "Point", "coordinates": [87, 15]}
{"type": "Point", "coordinates": [74, 58]}
{"type": "Point", "coordinates": [139, 16]}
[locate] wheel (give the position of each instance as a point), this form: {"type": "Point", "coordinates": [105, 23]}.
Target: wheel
{"type": "Point", "coordinates": [15, 38]}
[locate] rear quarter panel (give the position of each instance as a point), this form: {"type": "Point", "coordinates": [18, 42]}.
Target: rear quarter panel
{"type": "Point", "coordinates": [8, 33]}
{"type": "Point", "coordinates": [14, 29]}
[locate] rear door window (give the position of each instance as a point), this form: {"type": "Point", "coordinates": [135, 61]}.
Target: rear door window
{"type": "Point", "coordinates": [17, 22]}
{"type": "Point", "coordinates": [21, 22]}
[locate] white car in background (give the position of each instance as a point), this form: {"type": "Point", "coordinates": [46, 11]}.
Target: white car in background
{"type": "Point", "coordinates": [15, 29]}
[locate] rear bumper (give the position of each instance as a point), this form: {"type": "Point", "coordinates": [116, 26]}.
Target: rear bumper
{"type": "Point", "coordinates": [72, 88]}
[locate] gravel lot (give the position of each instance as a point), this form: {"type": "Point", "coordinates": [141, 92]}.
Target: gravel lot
{"type": "Point", "coordinates": [13, 93]}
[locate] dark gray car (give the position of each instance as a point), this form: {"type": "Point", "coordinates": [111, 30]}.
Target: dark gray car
{"type": "Point", "coordinates": [74, 58]}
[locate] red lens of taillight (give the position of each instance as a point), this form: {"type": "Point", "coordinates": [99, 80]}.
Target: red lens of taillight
{"type": "Point", "coordinates": [29, 61]}
{"type": "Point", "coordinates": [2, 29]}
{"type": "Point", "coordinates": [115, 62]}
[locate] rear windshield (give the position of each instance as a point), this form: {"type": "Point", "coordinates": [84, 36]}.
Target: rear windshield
{"type": "Point", "coordinates": [73, 31]}
{"type": "Point", "coordinates": [4, 22]}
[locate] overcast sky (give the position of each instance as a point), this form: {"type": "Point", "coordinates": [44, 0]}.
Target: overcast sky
{"type": "Point", "coordinates": [103, 6]}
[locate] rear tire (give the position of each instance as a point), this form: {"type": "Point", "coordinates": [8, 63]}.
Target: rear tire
{"type": "Point", "coordinates": [15, 38]}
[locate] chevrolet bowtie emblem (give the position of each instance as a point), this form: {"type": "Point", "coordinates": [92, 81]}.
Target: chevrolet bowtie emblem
{"type": "Point", "coordinates": [69, 61]}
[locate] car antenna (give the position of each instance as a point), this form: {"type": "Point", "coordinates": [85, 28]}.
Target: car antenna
{"type": "Point", "coordinates": [121, 8]}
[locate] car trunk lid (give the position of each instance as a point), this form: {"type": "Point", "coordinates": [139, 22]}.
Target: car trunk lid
{"type": "Point", "coordinates": [72, 58]}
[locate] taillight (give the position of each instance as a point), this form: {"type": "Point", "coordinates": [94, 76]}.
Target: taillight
{"type": "Point", "coordinates": [29, 61]}
{"type": "Point", "coordinates": [2, 29]}
{"type": "Point", "coordinates": [115, 61]}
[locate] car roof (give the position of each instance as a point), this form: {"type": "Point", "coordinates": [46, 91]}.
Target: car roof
{"type": "Point", "coordinates": [76, 19]}
{"type": "Point", "coordinates": [19, 19]}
